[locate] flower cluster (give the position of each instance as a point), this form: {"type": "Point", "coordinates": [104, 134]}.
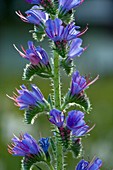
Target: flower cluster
{"type": "Point", "coordinates": [32, 102]}
{"type": "Point", "coordinates": [53, 19]}
{"type": "Point", "coordinates": [74, 126]}
{"type": "Point", "coordinates": [36, 55]}
{"type": "Point", "coordinates": [27, 147]}
{"type": "Point", "coordinates": [34, 16]}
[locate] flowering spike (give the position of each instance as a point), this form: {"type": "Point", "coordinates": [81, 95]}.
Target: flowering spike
{"type": "Point", "coordinates": [27, 147]}
{"type": "Point", "coordinates": [34, 16]}
{"type": "Point", "coordinates": [61, 34]}
{"type": "Point", "coordinates": [76, 93]}
{"type": "Point", "coordinates": [71, 127]}
{"type": "Point", "coordinates": [32, 102]}
{"type": "Point", "coordinates": [39, 61]}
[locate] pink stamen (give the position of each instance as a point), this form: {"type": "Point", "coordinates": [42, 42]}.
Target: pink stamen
{"type": "Point", "coordinates": [82, 32]}
{"type": "Point", "coordinates": [21, 16]}
{"type": "Point", "coordinates": [22, 54]}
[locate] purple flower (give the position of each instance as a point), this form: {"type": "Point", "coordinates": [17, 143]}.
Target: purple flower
{"type": "Point", "coordinates": [75, 122]}
{"type": "Point", "coordinates": [75, 48]}
{"type": "Point", "coordinates": [34, 54]}
{"type": "Point", "coordinates": [34, 16]}
{"type": "Point", "coordinates": [67, 5]}
{"type": "Point", "coordinates": [44, 143]}
{"type": "Point", "coordinates": [75, 119]}
{"type": "Point", "coordinates": [33, 1]}
{"type": "Point", "coordinates": [80, 83]}
{"type": "Point", "coordinates": [57, 117]}
{"type": "Point", "coordinates": [27, 99]}
{"type": "Point", "coordinates": [95, 164]}
{"type": "Point", "coordinates": [25, 145]}
{"type": "Point", "coordinates": [58, 33]}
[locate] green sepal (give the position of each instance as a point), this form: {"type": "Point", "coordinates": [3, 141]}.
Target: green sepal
{"type": "Point", "coordinates": [28, 161]}
{"type": "Point", "coordinates": [81, 101]}
{"type": "Point", "coordinates": [66, 17]}
{"type": "Point", "coordinates": [76, 148]}
{"type": "Point", "coordinates": [63, 140]}
{"type": "Point", "coordinates": [67, 66]}
{"type": "Point", "coordinates": [48, 158]}
{"type": "Point", "coordinates": [31, 70]}
{"type": "Point", "coordinates": [49, 7]}
{"type": "Point", "coordinates": [31, 114]}
{"type": "Point", "coordinates": [38, 33]}
{"type": "Point", "coordinates": [56, 3]}
{"type": "Point", "coordinates": [61, 48]}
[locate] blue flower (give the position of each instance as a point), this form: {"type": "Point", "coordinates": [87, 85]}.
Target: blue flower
{"type": "Point", "coordinates": [34, 54]}
{"type": "Point", "coordinates": [95, 164]}
{"type": "Point", "coordinates": [80, 83]}
{"type": "Point", "coordinates": [26, 145]}
{"type": "Point", "coordinates": [75, 48]}
{"type": "Point", "coordinates": [44, 143]}
{"type": "Point", "coordinates": [58, 33]}
{"type": "Point", "coordinates": [56, 117]}
{"type": "Point", "coordinates": [27, 99]}
{"type": "Point", "coordinates": [67, 5]}
{"type": "Point", "coordinates": [34, 16]}
{"type": "Point", "coordinates": [75, 119]}
{"type": "Point", "coordinates": [75, 122]}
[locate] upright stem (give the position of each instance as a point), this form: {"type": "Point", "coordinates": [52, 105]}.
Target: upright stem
{"type": "Point", "coordinates": [57, 90]}
{"type": "Point", "coordinates": [57, 100]}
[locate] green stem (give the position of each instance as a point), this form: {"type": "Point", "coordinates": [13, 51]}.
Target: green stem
{"type": "Point", "coordinates": [57, 103]}
{"type": "Point", "coordinates": [57, 90]}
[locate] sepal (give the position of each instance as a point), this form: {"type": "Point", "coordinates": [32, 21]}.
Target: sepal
{"type": "Point", "coordinates": [67, 66]}
{"type": "Point", "coordinates": [66, 17]}
{"type": "Point", "coordinates": [76, 147]}
{"type": "Point", "coordinates": [43, 71]}
{"type": "Point", "coordinates": [28, 161]}
{"type": "Point", "coordinates": [61, 48]}
{"type": "Point", "coordinates": [38, 33]}
{"type": "Point", "coordinates": [31, 114]}
{"type": "Point", "coordinates": [81, 101]}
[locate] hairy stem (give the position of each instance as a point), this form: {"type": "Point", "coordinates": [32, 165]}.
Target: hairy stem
{"type": "Point", "coordinates": [57, 90]}
{"type": "Point", "coordinates": [57, 103]}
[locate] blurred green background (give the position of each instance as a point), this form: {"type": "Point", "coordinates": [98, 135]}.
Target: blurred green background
{"type": "Point", "coordinates": [98, 59]}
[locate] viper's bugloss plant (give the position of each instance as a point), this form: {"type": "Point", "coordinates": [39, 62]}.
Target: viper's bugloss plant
{"type": "Point", "coordinates": [54, 19]}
